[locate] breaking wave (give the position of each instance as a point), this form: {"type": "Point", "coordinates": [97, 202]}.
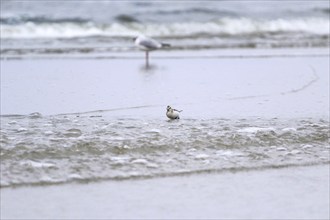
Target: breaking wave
{"type": "Point", "coordinates": [70, 28]}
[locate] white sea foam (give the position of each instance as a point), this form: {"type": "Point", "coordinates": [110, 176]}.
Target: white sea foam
{"type": "Point", "coordinates": [224, 26]}
{"type": "Point", "coordinates": [255, 129]}
{"type": "Point", "coordinates": [140, 161]}
{"type": "Point", "coordinates": [38, 164]}
{"type": "Point", "coordinates": [228, 153]}
{"type": "Point", "coordinates": [202, 156]}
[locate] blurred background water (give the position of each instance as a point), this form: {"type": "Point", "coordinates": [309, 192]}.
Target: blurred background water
{"type": "Point", "coordinates": [87, 27]}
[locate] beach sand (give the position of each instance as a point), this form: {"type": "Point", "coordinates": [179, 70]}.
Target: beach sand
{"type": "Point", "coordinates": [208, 84]}
{"type": "Point", "coordinates": [288, 193]}
{"type": "Point", "coordinates": [286, 83]}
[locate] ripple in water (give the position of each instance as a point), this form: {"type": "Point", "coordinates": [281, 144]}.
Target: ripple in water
{"type": "Point", "coordinates": [38, 149]}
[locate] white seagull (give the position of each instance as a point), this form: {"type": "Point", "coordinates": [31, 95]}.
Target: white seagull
{"type": "Point", "coordinates": [172, 113]}
{"type": "Point", "coordinates": [148, 44]}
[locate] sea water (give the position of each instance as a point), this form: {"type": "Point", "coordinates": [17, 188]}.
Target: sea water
{"type": "Point", "coordinates": [37, 149]}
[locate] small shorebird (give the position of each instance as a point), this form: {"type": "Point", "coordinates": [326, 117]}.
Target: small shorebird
{"type": "Point", "coordinates": [148, 44]}
{"type": "Point", "coordinates": [172, 113]}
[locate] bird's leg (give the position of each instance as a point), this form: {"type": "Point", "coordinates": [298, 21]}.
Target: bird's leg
{"type": "Point", "coordinates": [147, 59]}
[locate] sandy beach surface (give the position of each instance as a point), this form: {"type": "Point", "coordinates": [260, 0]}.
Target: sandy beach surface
{"type": "Point", "coordinates": [281, 172]}
{"type": "Point", "coordinates": [288, 193]}
{"type": "Point", "coordinates": [221, 83]}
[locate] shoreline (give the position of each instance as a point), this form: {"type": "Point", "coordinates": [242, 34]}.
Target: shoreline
{"type": "Point", "coordinates": [234, 170]}
{"type": "Point", "coordinates": [211, 53]}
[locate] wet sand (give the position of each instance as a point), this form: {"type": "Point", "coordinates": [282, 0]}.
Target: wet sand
{"type": "Point", "coordinates": [211, 84]}
{"type": "Point", "coordinates": [215, 85]}
{"type": "Point", "coordinates": [287, 193]}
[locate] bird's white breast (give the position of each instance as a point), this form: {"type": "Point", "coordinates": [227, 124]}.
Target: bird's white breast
{"type": "Point", "coordinates": [172, 114]}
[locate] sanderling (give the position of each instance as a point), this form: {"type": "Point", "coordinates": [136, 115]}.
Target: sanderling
{"type": "Point", "coordinates": [148, 44]}
{"type": "Point", "coordinates": [172, 113]}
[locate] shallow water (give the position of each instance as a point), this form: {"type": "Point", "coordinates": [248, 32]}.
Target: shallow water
{"type": "Point", "coordinates": [38, 149]}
